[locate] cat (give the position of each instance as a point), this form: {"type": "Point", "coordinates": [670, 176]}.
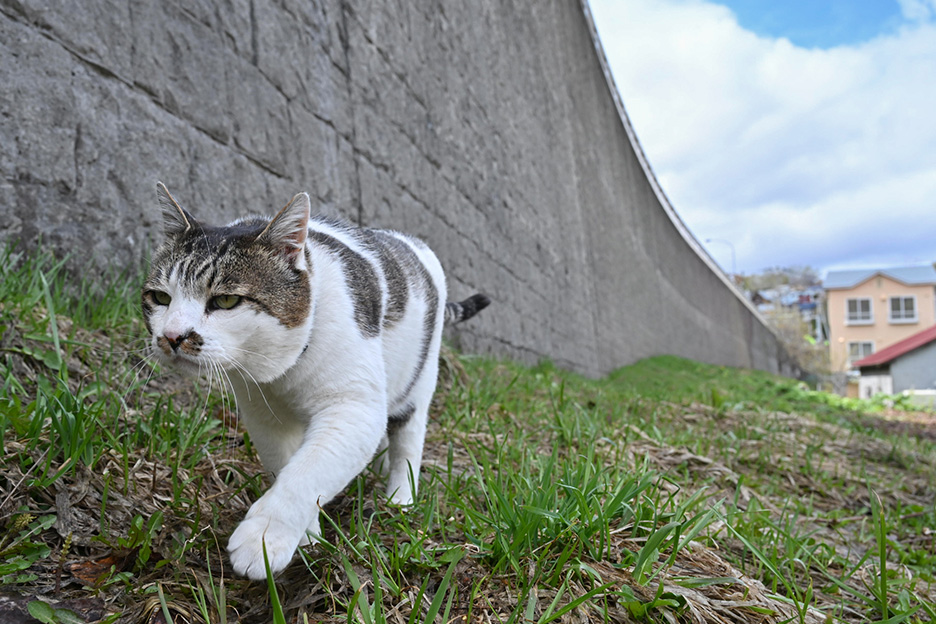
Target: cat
{"type": "Point", "coordinates": [329, 336]}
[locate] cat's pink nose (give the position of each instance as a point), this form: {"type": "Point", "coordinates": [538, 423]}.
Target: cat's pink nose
{"type": "Point", "coordinates": [174, 338]}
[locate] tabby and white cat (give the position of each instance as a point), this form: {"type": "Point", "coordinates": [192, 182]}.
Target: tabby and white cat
{"type": "Point", "coordinates": [328, 335]}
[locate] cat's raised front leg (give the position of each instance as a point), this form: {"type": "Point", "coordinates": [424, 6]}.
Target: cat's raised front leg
{"type": "Point", "coordinates": [275, 441]}
{"type": "Point", "coordinates": [339, 442]}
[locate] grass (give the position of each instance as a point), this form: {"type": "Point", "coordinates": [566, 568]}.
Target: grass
{"type": "Point", "coordinates": [667, 491]}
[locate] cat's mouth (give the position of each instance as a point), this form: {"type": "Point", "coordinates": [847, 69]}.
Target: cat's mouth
{"type": "Point", "coordinates": [183, 364]}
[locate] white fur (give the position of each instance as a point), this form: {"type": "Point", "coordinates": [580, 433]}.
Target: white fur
{"type": "Point", "coordinates": [318, 416]}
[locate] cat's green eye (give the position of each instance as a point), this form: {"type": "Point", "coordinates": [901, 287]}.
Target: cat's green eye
{"type": "Point", "coordinates": [161, 298]}
{"type": "Point", "coordinates": [225, 302]}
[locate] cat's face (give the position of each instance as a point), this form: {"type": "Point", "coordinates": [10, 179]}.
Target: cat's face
{"type": "Point", "coordinates": [230, 300]}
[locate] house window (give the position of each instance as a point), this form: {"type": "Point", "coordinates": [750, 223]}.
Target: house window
{"type": "Point", "coordinates": [903, 309]}
{"type": "Point", "coordinates": [858, 311]}
{"type": "Point", "coordinates": [859, 350]}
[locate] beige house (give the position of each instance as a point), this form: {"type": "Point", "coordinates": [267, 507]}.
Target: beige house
{"type": "Point", "coordinates": [872, 309]}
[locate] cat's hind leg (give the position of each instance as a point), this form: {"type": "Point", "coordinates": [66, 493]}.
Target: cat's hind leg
{"type": "Point", "coordinates": [382, 458]}
{"type": "Point", "coordinates": [404, 453]}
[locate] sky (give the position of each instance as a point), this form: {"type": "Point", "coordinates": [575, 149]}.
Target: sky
{"type": "Point", "coordinates": [794, 133]}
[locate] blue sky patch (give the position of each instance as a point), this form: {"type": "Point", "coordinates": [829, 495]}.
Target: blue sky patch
{"type": "Point", "coordinates": [818, 23]}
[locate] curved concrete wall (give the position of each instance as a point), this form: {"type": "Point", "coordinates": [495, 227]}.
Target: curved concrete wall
{"type": "Point", "coordinates": [486, 127]}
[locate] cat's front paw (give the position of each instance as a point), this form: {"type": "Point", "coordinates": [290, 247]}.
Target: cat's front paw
{"type": "Point", "coordinates": [246, 545]}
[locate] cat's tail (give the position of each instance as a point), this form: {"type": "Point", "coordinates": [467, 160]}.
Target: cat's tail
{"type": "Point", "coordinates": [464, 310]}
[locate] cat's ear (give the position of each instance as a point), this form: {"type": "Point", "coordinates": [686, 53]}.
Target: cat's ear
{"type": "Point", "coordinates": [175, 219]}
{"type": "Point", "coordinates": [289, 229]}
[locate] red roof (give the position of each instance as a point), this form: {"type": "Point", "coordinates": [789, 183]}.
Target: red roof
{"type": "Point", "coordinates": [897, 349]}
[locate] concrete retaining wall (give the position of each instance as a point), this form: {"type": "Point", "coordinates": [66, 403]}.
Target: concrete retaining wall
{"type": "Point", "coordinates": [486, 127]}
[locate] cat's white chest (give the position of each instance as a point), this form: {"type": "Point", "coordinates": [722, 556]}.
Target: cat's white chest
{"type": "Point", "coordinates": [276, 423]}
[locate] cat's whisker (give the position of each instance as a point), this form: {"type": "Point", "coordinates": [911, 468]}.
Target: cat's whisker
{"type": "Point", "coordinates": [137, 387]}
{"type": "Point", "coordinates": [146, 361]}
{"type": "Point", "coordinates": [109, 350]}
{"type": "Point", "coordinates": [232, 407]}
{"type": "Point", "coordinates": [242, 370]}
{"type": "Point", "coordinates": [223, 386]}
{"type": "Point", "coordinates": [249, 352]}
{"type": "Point", "coordinates": [206, 374]}
{"type": "Point", "coordinates": [215, 383]}
{"type": "Point", "coordinates": [237, 364]}
{"type": "Point", "coordinates": [227, 389]}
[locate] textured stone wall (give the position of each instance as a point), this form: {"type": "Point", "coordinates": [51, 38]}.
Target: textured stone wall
{"type": "Point", "coordinates": [486, 127]}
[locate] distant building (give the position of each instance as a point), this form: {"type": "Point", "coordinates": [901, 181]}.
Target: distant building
{"type": "Point", "coordinates": [909, 364]}
{"type": "Point", "coordinates": [872, 309]}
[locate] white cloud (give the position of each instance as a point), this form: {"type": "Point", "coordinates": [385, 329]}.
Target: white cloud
{"type": "Point", "coordinates": [918, 10]}
{"type": "Point", "coordinates": [797, 156]}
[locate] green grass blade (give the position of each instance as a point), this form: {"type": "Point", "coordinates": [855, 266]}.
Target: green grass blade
{"type": "Point", "coordinates": [575, 604]}
{"type": "Point", "coordinates": [163, 604]}
{"type": "Point", "coordinates": [359, 599]}
{"type": "Point", "coordinates": [436, 603]}
{"type": "Point", "coordinates": [278, 616]}
{"type": "Point", "coordinates": [880, 534]}
{"type": "Point", "coordinates": [650, 552]}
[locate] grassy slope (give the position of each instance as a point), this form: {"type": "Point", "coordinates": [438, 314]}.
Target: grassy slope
{"type": "Point", "coordinates": [670, 490]}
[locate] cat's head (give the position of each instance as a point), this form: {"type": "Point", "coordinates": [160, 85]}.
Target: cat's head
{"type": "Point", "coordinates": [233, 299]}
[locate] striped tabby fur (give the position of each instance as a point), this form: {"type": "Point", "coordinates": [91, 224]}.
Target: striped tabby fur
{"type": "Point", "coordinates": [327, 334]}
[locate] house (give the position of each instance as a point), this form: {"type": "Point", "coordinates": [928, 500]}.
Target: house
{"type": "Point", "coordinates": [909, 364]}
{"type": "Point", "coordinates": [872, 309]}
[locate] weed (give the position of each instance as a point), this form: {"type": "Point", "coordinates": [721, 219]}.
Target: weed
{"type": "Point", "coordinates": [47, 614]}
{"type": "Point", "coordinates": [21, 547]}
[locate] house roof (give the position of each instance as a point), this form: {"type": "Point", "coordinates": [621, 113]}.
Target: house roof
{"type": "Point", "coordinates": [898, 349]}
{"type": "Point", "coordinates": [912, 276]}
